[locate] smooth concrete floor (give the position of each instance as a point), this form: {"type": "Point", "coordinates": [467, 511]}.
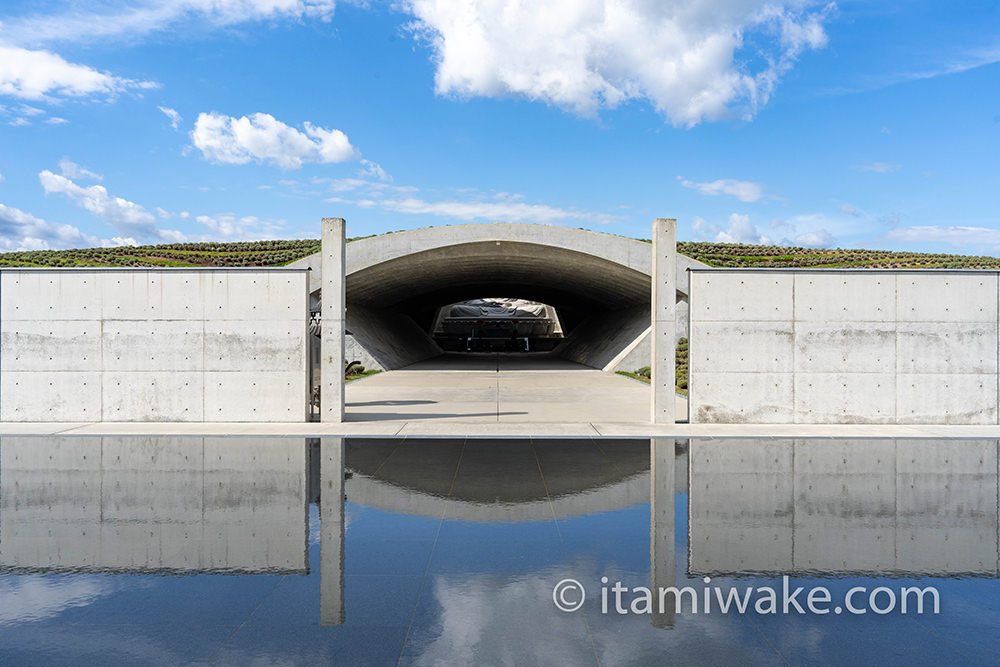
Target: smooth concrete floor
{"type": "Point", "coordinates": [490, 387]}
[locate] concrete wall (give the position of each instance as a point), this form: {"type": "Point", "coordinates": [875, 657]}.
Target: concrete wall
{"type": "Point", "coordinates": [877, 506]}
{"type": "Point", "coordinates": [133, 503]}
{"type": "Point", "coordinates": [601, 338]}
{"type": "Point", "coordinates": [391, 338]}
{"type": "Point", "coordinates": [153, 345]}
{"type": "Point", "coordinates": [355, 351]}
{"type": "Point", "coordinates": [811, 346]}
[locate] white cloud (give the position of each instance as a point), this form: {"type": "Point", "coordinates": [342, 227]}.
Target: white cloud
{"type": "Point", "coordinates": [955, 62]}
{"type": "Point", "coordinates": [956, 236]}
{"type": "Point", "coordinates": [371, 169]}
{"type": "Point", "coordinates": [41, 75]}
{"type": "Point", "coordinates": [878, 167]}
{"type": "Point", "coordinates": [508, 210]}
{"type": "Point", "coordinates": [346, 184]}
{"type": "Point", "coordinates": [246, 228]}
{"type": "Point", "coordinates": [22, 231]}
{"type": "Point", "coordinates": [369, 186]}
{"type": "Point", "coordinates": [741, 230]}
{"type": "Point", "coordinates": [172, 115]}
{"type": "Point", "coordinates": [742, 190]}
{"type": "Point", "coordinates": [70, 169]}
{"type": "Point", "coordinates": [56, 120]}
{"type": "Point", "coordinates": [129, 218]}
{"type": "Point", "coordinates": [119, 18]}
{"type": "Point", "coordinates": [815, 239]}
{"type": "Point", "coordinates": [849, 210]}
{"type": "Point", "coordinates": [685, 57]}
{"type": "Point", "coordinates": [816, 230]}
{"type": "Point", "coordinates": [263, 138]}
{"type": "Point", "coordinates": [20, 121]}
{"type": "Point", "coordinates": [118, 241]}
{"type": "Point", "coordinates": [703, 230]}
{"type": "Point", "coordinates": [1, 178]}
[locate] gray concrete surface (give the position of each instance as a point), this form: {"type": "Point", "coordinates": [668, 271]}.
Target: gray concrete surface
{"type": "Point", "coordinates": [663, 488]}
{"type": "Point", "coordinates": [873, 506]}
{"type": "Point", "coordinates": [497, 388]}
{"type": "Point", "coordinates": [390, 338]}
{"type": "Point", "coordinates": [332, 528]}
{"type": "Point", "coordinates": [332, 334]}
{"type": "Point", "coordinates": [88, 503]}
{"type": "Point", "coordinates": [599, 340]}
{"type": "Point", "coordinates": [864, 346]}
{"type": "Point", "coordinates": [153, 345]}
{"type": "Point", "coordinates": [663, 321]}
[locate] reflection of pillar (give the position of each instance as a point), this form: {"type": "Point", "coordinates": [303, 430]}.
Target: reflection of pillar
{"type": "Point", "coordinates": [331, 530]}
{"type": "Point", "coordinates": [663, 315]}
{"type": "Point", "coordinates": [332, 334]}
{"type": "Point", "coordinates": [662, 569]}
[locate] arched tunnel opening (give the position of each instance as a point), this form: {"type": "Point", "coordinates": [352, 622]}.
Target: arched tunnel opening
{"type": "Point", "coordinates": [394, 306]}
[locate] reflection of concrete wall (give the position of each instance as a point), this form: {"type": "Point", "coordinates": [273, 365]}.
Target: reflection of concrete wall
{"type": "Point", "coordinates": [803, 347]}
{"type": "Point", "coordinates": [843, 506]}
{"type": "Point", "coordinates": [153, 503]}
{"type": "Point", "coordinates": [153, 345]}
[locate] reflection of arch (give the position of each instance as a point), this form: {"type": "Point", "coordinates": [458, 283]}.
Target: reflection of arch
{"type": "Point", "coordinates": [384, 495]}
{"type": "Point", "coordinates": [600, 284]}
{"type": "Point", "coordinates": [498, 481]}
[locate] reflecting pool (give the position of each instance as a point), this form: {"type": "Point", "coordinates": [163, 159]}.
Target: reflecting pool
{"type": "Point", "coordinates": [153, 550]}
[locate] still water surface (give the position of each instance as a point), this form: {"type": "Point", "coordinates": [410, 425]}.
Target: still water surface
{"type": "Point", "coordinates": [369, 551]}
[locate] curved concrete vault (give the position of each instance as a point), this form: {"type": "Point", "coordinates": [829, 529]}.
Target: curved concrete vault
{"type": "Point", "coordinates": [599, 283]}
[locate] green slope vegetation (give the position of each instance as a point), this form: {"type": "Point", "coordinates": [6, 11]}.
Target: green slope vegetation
{"type": "Point", "coordinates": [279, 253]}
{"type": "Point", "coordinates": [769, 256]}
{"type": "Point", "coordinates": [246, 253]}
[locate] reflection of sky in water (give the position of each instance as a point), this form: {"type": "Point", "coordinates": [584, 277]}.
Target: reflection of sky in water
{"type": "Point", "coordinates": [34, 598]}
{"type": "Point", "coordinates": [445, 563]}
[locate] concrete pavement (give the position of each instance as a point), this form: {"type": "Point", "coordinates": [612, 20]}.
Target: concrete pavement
{"type": "Point", "coordinates": [493, 387]}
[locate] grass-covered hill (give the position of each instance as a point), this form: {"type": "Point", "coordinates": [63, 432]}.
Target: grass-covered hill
{"type": "Point", "coordinates": [248, 253]}
{"type": "Point", "coordinates": [744, 255]}
{"type": "Point", "coordinates": [279, 253]}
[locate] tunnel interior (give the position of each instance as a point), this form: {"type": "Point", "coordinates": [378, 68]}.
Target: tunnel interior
{"type": "Point", "coordinates": [497, 324]}
{"type": "Point", "coordinates": [603, 306]}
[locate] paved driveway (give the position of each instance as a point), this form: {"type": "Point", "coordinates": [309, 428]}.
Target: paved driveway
{"type": "Point", "coordinates": [499, 387]}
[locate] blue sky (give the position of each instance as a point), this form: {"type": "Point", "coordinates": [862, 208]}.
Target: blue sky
{"type": "Point", "coordinates": [850, 124]}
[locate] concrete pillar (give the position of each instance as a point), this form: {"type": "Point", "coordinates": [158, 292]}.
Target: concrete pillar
{"type": "Point", "coordinates": [662, 568]}
{"type": "Point", "coordinates": [331, 531]}
{"type": "Point", "coordinates": [334, 304]}
{"type": "Point", "coordinates": [663, 314]}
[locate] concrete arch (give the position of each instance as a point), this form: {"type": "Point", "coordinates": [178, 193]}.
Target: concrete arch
{"type": "Point", "coordinates": [599, 283]}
